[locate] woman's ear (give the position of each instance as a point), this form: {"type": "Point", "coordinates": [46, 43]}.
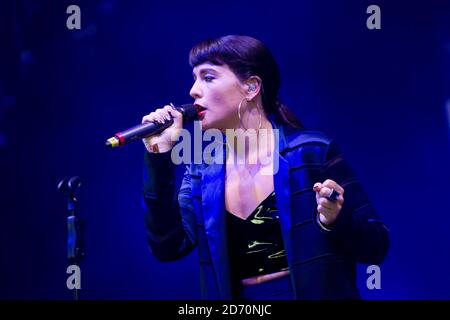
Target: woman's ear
{"type": "Point", "coordinates": [253, 87]}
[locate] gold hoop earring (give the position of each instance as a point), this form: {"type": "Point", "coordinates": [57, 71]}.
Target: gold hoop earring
{"type": "Point", "coordinates": [239, 111]}
{"type": "Point", "coordinates": [240, 119]}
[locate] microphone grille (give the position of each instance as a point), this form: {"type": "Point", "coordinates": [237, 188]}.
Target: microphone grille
{"type": "Point", "coordinates": [189, 111]}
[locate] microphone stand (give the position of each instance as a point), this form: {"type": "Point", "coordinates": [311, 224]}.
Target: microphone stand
{"type": "Point", "coordinates": [75, 250]}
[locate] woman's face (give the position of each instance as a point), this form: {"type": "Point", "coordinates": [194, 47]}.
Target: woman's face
{"type": "Point", "coordinates": [217, 89]}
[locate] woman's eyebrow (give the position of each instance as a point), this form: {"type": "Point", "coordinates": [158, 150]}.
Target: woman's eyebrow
{"type": "Point", "coordinates": [205, 70]}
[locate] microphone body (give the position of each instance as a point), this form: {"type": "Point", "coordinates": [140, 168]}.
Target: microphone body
{"type": "Point", "coordinates": [189, 112]}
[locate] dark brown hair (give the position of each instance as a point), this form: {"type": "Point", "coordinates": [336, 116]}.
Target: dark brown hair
{"type": "Point", "coordinates": [246, 57]}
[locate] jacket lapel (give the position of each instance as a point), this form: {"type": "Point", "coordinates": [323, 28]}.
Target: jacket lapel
{"type": "Point", "coordinates": [283, 194]}
{"type": "Point", "coordinates": [213, 204]}
{"type": "Point", "coordinates": [282, 190]}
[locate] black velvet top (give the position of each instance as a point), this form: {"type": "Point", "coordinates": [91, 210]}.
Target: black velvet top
{"type": "Point", "coordinates": [256, 244]}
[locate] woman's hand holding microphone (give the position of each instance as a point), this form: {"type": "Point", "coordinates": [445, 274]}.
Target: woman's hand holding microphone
{"type": "Point", "coordinates": [164, 141]}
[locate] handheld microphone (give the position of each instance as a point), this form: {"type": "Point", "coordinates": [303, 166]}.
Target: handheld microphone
{"type": "Point", "coordinates": [189, 112]}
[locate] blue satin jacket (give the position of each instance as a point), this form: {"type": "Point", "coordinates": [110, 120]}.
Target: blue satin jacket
{"type": "Point", "coordinates": [322, 263]}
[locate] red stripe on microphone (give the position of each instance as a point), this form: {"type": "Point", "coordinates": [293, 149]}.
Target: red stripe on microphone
{"type": "Point", "coordinates": [120, 137]}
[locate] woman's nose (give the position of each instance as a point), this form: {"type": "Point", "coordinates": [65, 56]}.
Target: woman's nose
{"type": "Point", "coordinates": [195, 91]}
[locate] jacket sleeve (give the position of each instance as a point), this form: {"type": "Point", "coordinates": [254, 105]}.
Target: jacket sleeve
{"type": "Point", "coordinates": [358, 230]}
{"type": "Point", "coordinates": [169, 217]}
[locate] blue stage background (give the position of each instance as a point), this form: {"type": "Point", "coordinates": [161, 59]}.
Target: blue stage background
{"type": "Point", "coordinates": [383, 94]}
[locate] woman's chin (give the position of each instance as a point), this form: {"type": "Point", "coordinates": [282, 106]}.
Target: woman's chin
{"type": "Point", "coordinates": [205, 124]}
{"type": "Point", "coordinates": [208, 123]}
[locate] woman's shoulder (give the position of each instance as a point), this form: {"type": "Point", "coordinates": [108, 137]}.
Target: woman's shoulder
{"type": "Point", "coordinates": [296, 137]}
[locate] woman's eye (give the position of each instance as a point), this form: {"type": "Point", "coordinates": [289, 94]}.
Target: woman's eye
{"type": "Point", "coordinates": [208, 78]}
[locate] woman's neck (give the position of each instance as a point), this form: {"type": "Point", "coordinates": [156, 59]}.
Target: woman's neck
{"type": "Point", "coordinates": [248, 145]}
